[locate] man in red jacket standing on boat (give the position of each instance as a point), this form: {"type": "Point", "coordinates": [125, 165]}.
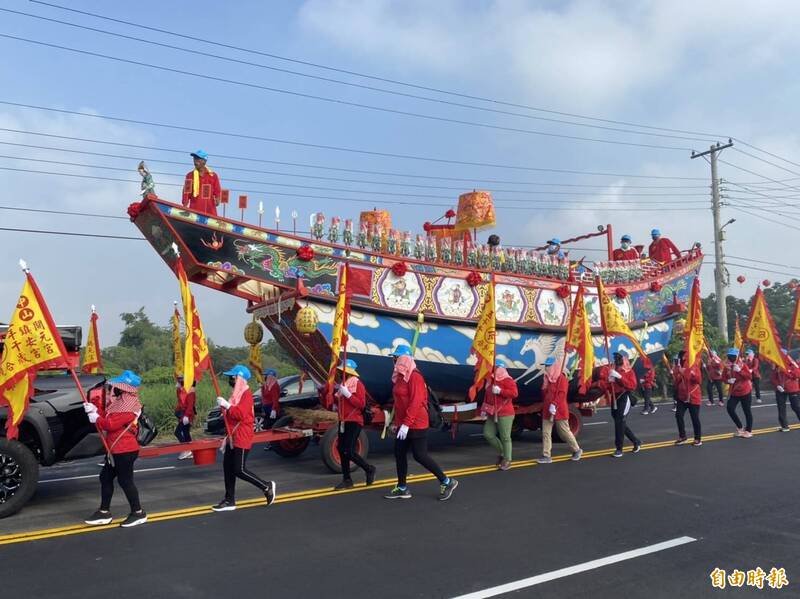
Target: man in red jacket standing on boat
{"type": "Point", "coordinates": [626, 251]}
{"type": "Point", "coordinates": [662, 249]}
{"type": "Point", "coordinates": [201, 189]}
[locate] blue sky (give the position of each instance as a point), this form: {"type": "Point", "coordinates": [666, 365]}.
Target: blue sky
{"type": "Point", "coordinates": [720, 67]}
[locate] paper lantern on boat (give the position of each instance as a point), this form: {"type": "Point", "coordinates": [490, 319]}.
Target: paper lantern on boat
{"type": "Point", "coordinates": [253, 333]}
{"type": "Point", "coordinates": [371, 218]}
{"type": "Point", "coordinates": [306, 320]}
{"type": "Point", "coordinates": [679, 327]}
{"type": "Point", "coordinates": [475, 211]}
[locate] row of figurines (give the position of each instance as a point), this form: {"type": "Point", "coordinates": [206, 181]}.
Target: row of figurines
{"type": "Point", "coordinates": [619, 271]}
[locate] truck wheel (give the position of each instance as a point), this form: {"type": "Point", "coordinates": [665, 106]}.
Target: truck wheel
{"type": "Point", "coordinates": [330, 448]}
{"type": "Point", "coordinates": [575, 424]}
{"type": "Point", "coordinates": [19, 475]}
{"type": "Point", "coordinates": [289, 448]}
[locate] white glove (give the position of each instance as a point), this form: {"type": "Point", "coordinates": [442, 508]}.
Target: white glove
{"type": "Point", "coordinates": [178, 385]}
{"type": "Point", "coordinates": [223, 403]}
{"type": "Point", "coordinates": [737, 368]}
{"type": "Point", "coordinates": [185, 420]}
{"type": "Point", "coordinates": [614, 375]}
{"type": "Point", "coordinates": [402, 432]}
{"type": "Point", "coordinates": [779, 388]}
{"type": "Point", "coordinates": [641, 381]}
{"type": "Point", "coordinates": [344, 391]}
{"type": "Point", "coordinates": [93, 417]}
{"type": "Point", "coordinates": [496, 389]}
{"type": "Point", "coordinates": [273, 415]}
{"type": "Point", "coordinates": [89, 408]}
{"type": "Point", "coordinates": [552, 409]}
{"type": "Point", "coordinates": [731, 381]}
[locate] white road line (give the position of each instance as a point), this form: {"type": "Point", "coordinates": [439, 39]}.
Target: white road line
{"type": "Point", "coordinates": [595, 423]}
{"type": "Point", "coordinates": [577, 569]}
{"type": "Point", "coordinates": [58, 480]}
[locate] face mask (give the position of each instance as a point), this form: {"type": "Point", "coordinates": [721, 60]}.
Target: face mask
{"type": "Point", "coordinates": [626, 245]}
{"type": "Point", "coordinates": [552, 249]}
{"type": "Point", "coordinates": [232, 381]}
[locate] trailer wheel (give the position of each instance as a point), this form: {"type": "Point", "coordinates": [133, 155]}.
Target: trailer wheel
{"type": "Point", "coordinates": [19, 475]}
{"type": "Point", "coordinates": [330, 448]}
{"type": "Point", "coordinates": [575, 423]}
{"type": "Point", "coordinates": [289, 448]}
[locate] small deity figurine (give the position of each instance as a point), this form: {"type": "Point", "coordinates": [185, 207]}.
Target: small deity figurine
{"type": "Point", "coordinates": [484, 259]}
{"type": "Point", "coordinates": [148, 185]}
{"type": "Point", "coordinates": [362, 236]}
{"type": "Point", "coordinates": [347, 235]}
{"type": "Point", "coordinates": [391, 242]}
{"type": "Point", "coordinates": [419, 248]}
{"type": "Point", "coordinates": [447, 250]}
{"type": "Point", "coordinates": [511, 261]}
{"type": "Point", "coordinates": [333, 232]}
{"type": "Point", "coordinates": [430, 249]}
{"type": "Point", "coordinates": [405, 244]}
{"type": "Point", "coordinates": [458, 252]}
{"type": "Point", "coordinates": [377, 235]}
{"type": "Point", "coordinates": [318, 229]}
{"type": "Point", "coordinates": [472, 255]}
{"type": "Point", "coordinates": [498, 258]}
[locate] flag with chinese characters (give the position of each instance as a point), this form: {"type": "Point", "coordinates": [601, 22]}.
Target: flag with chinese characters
{"type": "Point", "coordinates": [738, 342]}
{"type": "Point", "coordinates": [695, 341]}
{"type": "Point", "coordinates": [31, 343]}
{"type": "Point", "coordinates": [579, 339]}
{"type": "Point", "coordinates": [177, 347]}
{"type": "Point", "coordinates": [483, 345]}
{"type": "Point", "coordinates": [92, 360]}
{"type": "Point", "coordinates": [614, 324]}
{"type": "Point", "coordinates": [761, 330]}
{"type": "Point", "coordinates": [340, 321]}
{"type": "Point", "coordinates": [196, 358]}
{"type": "Point", "coordinates": [794, 326]}
{"type": "Point", "coordinates": [254, 362]}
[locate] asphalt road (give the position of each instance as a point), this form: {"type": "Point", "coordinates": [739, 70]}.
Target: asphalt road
{"type": "Point", "coordinates": [730, 504]}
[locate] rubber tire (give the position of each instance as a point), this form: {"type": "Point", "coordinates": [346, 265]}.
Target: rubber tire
{"type": "Point", "coordinates": [575, 424]}
{"type": "Point", "coordinates": [331, 458]}
{"type": "Point", "coordinates": [30, 476]}
{"type": "Point", "coordinates": [291, 448]}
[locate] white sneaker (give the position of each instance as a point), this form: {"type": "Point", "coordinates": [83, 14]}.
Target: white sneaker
{"type": "Point", "coordinates": [654, 410]}
{"type": "Point", "coordinates": [185, 455]}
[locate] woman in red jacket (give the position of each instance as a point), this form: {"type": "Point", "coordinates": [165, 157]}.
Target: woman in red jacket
{"type": "Point", "coordinates": [555, 411]}
{"type": "Point", "coordinates": [239, 420]}
{"type": "Point", "coordinates": [351, 399]}
{"type": "Point", "coordinates": [617, 382]}
{"type": "Point", "coordinates": [185, 412]}
{"type": "Point", "coordinates": [687, 385]}
{"type": "Point", "coordinates": [787, 386]}
{"type": "Point", "coordinates": [411, 417]}
{"type": "Point", "coordinates": [647, 384]}
{"type": "Point", "coordinates": [713, 368]}
{"type": "Point", "coordinates": [498, 410]}
{"type": "Point", "coordinates": [118, 424]}
{"type": "Point", "coordinates": [754, 364]}
{"type": "Point", "coordinates": [739, 377]}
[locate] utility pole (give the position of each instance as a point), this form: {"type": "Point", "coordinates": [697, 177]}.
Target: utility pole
{"type": "Point", "coordinates": [720, 272]}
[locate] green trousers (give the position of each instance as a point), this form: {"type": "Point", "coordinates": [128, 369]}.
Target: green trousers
{"type": "Point", "coordinates": [498, 434]}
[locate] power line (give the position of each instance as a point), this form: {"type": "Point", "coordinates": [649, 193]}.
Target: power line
{"type": "Point", "coordinates": [776, 272]}
{"type": "Point", "coordinates": [346, 83]}
{"type": "Point", "coordinates": [63, 212]}
{"type": "Point", "coordinates": [323, 146]}
{"type": "Point", "coordinates": [764, 160]}
{"type": "Point", "coordinates": [339, 101]}
{"type": "Point", "coordinates": [744, 143]}
{"type": "Point", "coordinates": [777, 222]}
{"type": "Point", "coordinates": [71, 234]}
{"type": "Point", "coordinates": [763, 262]}
{"type": "Point", "coordinates": [366, 76]}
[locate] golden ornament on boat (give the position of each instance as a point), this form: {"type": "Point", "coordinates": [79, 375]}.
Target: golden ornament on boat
{"type": "Point", "coordinates": [253, 333]}
{"type": "Point", "coordinates": [306, 320]}
{"type": "Point", "coordinates": [475, 211]}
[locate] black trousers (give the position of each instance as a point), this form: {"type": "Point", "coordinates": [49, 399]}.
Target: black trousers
{"type": "Point", "coordinates": [757, 387]}
{"type": "Point", "coordinates": [746, 401]}
{"type": "Point", "coordinates": [183, 432]}
{"type": "Point", "coordinates": [619, 410]}
{"type": "Point", "coordinates": [122, 470]}
{"type": "Point", "coordinates": [710, 387]}
{"type": "Point", "coordinates": [647, 394]}
{"type": "Point", "coordinates": [234, 465]}
{"type": "Point", "coordinates": [417, 441]}
{"type": "Point", "coordinates": [794, 401]}
{"type": "Point", "coordinates": [347, 448]}
{"type": "Point", "coordinates": [694, 413]}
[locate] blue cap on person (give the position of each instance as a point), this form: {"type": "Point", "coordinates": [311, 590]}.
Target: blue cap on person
{"type": "Point", "coordinates": [555, 241]}
{"type": "Point", "coordinates": [750, 351]}
{"type": "Point", "coordinates": [550, 361]}
{"type": "Point", "coordinates": [128, 377]}
{"type": "Point", "coordinates": [349, 366]}
{"type": "Point", "coordinates": [239, 370]}
{"type": "Point", "coordinates": [626, 237]}
{"type": "Point", "coordinates": [201, 154]}
{"type": "Point", "coordinates": [270, 372]}
{"type": "Point", "coordinates": [655, 233]}
{"type": "Point", "coordinates": [499, 363]}
{"type": "Point", "coordinates": [733, 352]}
{"type": "Point", "coordinates": [401, 350]}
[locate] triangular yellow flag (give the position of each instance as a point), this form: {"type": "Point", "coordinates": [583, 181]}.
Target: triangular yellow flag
{"type": "Point", "coordinates": [761, 330]}
{"type": "Point", "coordinates": [614, 324]}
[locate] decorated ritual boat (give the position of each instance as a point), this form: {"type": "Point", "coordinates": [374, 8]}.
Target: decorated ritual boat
{"type": "Point", "coordinates": [433, 285]}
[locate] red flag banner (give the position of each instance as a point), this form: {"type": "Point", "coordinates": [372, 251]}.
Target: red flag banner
{"type": "Point", "coordinates": [483, 344]}
{"type": "Point", "coordinates": [579, 339]}
{"type": "Point", "coordinates": [695, 340]}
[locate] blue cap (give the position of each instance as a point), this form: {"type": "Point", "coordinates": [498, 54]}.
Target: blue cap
{"type": "Point", "coordinates": [550, 361]}
{"type": "Point", "coordinates": [499, 363]}
{"type": "Point", "coordinates": [349, 366]}
{"type": "Point", "coordinates": [128, 377]}
{"type": "Point", "coordinates": [200, 154]}
{"type": "Point", "coordinates": [733, 352]}
{"type": "Point", "coordinates": [555, 241]}
{"type": "Point", "coordinates": [655, 232]}
{"type": "Point", "coordinates": [626, 237]}
{"type": "Point", "coordinates": [270, 372]}
{"type": "Point", "coordinates": [239, 370]}
{"type": "Point", "coordinates": [622, 352]}
{"type": "Point", "coordinates": [750, 351]}
{"type": "Point", "coordinates": [401, 350]}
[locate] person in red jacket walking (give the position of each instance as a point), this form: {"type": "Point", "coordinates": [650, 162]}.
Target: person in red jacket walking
{"type": "Point", "coordinates": [713, 367]}
{"type": "Point", "coordinates": [351, 399]}
{"type": "Point", "coordinates": [118, 424]}
{"type": "Point", "coordinates": [185, 411]}
{"type": "Point", "coordinates": [201, 189]}
{"type": "Point", "coordinates": [617, 382]}
{"type": "Point", "coordinates": [239, 420]}
{"type": "Point", "coordinates": [270, 397]}
{"type": "Point", "coordinates": [555, 412]}
{"type": "Point", "coordinates": [687, 383]}
{"type": "Point", "coordinates": [739, 377]}
{"type": "Point", "coordinates": [647, 383]}
{"type": "Point", "coordinates": [787, 386]}
{"type": "Point", "coordinates": [662, 249]}
{"type": "Point", "coordinates": [498, 411]}
{"type": "Point", "coordinates": [411, 425]}
{"type": "Point", "coordinates": [754, 364]}
{"type": "Point", "coordinates": [626, 251]}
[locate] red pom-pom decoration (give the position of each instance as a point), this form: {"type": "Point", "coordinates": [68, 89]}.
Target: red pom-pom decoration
{"type": "Point", "coordinates": [741, 279]}
{"type": "Point", "coordinates": [766, 283]}
{"type": "Point", "coordinates": [399, 268]}
{"type": "Point", "coordinates": [620, 293]}
{"type": "Point", "coordinates": [450, 213]}
{"type": "Point", "coordinates": [134, 209]}
{"type": "Point", "coordinates": [427, 227]}
{"type": "Point", "coordinates": [563, 291]}
{"type": "Point", "coordinates": [305, 253]}
{"type": "Point", "coordinates": [474, 278]}
{"type": "Point", "coordinates": [655, 287]}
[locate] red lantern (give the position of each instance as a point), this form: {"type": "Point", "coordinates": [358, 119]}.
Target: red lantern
{"type": "Point", "coordinates": [134, 209]}
{"type": "Point", "coordinates": [305, 253]}
{"type": "Point", "coordinates": [741, 279]}
{"type": "Point", "coordinates": [563, 292]}
{"type": "Point", "coordinates": [655, 287]}
{"type": "Point", "coordinates": [766, 283]}
{"type": "Point", "coordinates": [474, 278]}
{"type": "Point", "coordinates": [620, 293]}
{"type": "Point", "coordinates": [399, 269]}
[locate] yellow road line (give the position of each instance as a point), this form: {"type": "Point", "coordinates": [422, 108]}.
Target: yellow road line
{"type": "Point", "coordinates": [25, 537]}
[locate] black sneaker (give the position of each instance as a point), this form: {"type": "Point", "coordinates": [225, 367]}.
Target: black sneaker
{"type": "Point", "coordinates": [134, 519]}
{"type": "Point", "coordinates": [269, 492]}
{"type": "Point", "coordinates": [398, 493]}
{"type": "Point", "coordinates": [637, 447]}
{"type": "Point", "coordinates": [224, 506]}
{"type": "Point", "coordinates": [446, 491]}
{"type": "Point", "coordinates": [99, 518]}
{"type": "Point", "coordinates": [345, 484]}
{"type": "Point", "coordinates": [617, 454]}
{"type": "Point", "coordinates": [371, 475]}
